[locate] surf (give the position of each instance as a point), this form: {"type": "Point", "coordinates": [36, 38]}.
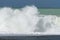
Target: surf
{"type": "Point", "coordinates": [27, 20]}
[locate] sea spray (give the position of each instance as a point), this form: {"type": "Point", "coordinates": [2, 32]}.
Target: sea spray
{"type": "Point", "coordinates": [18, 21]}
{"type": "Point", "coordinates": [27, 20]}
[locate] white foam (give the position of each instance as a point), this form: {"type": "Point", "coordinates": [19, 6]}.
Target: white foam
{"type": "Point", "coordinates": [27, 21]}
{"type": "Point", "coordinates": [18, 21]}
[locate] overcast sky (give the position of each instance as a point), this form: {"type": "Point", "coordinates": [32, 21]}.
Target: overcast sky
{"type": "Point", "coordinates": [22, 3]}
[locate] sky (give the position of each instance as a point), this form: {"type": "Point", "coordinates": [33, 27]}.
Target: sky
{"type": "Point", "coordinates": [38, 3]}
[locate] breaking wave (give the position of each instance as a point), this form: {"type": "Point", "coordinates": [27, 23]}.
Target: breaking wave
{"type": "Point", "coordinates": [27, 20]}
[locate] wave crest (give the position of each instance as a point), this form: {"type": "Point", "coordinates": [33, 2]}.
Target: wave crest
{"type": "Point", "coordinates": [27, 20]}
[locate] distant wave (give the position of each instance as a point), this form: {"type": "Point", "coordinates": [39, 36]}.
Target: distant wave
{"type": "Point", "coordinates": [27, 21]}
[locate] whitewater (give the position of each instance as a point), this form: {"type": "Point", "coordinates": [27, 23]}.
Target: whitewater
{"type": "Point", "coordinates": [28, 20]}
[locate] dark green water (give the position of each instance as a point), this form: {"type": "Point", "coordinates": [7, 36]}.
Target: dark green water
{"type": "Point", "coordinates": [50, 11]}
{"type": "Point", "coordinates": [49, 37]}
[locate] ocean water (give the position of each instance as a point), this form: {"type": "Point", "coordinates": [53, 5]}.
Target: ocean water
{"type": "Point", "coordinates": [29, 20]}
{"type": "Point", "coordinates": [50, 11]}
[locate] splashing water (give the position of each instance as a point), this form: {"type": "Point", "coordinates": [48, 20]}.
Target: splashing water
{"type": "Point", "coordinates": [27, 20]}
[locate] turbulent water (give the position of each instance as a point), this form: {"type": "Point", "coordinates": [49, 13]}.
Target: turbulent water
{"type": "Point", "coordinates": [27, 20]}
